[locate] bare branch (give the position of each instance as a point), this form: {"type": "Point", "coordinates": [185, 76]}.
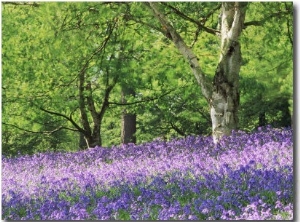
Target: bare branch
{"type": "Point", "coordinates": [200, 24]}
{"type": "Point", "coordinates": [65, 117]}
{"type": "Point", "coordinates": [179, 131]}
{"type": "Point", "coordinates": [39, 132]}
{"type": "Point", "coordinates": [196, 37]}
{"type": "Point", "coordinates": [34, 4]}
{"type": "Point", "coordinates": [144, 23]}
{"type": "Point", "coordinates": [106, 103]}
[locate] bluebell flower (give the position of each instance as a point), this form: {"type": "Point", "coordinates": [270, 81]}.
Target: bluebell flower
{"type": "Point", "coordinates": [192, 217]}
{"type": "Point", "coordinates": [187, 209]}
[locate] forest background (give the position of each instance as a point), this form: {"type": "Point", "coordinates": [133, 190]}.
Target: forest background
{"type": "Point", "coordinates": [62, 63]}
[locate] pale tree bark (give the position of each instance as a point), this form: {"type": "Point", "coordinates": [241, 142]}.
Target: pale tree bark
{"type": "Point", "coordinates": [128, 128]}
{"type": "Point", "coordinates": [224, 102]}
{"type": "Point", "coordinates": [223, 93]}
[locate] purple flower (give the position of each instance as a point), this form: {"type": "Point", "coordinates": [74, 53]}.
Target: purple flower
{"type": "Point", "coordinates": [205, 211]}
{"type": "Point", "coordinates": [192, 217]}
{"type": "Point", "coordinates": [187, 209]}
{"type": "Point", "coordinates": [249, 176]}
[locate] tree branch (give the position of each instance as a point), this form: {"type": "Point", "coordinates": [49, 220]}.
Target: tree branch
{"type": "Point", "coordinates": [264, 20]}
{"type": "Point", "coordinates": [144, 23]}
{"type": "Point", "coordinates": [99, 49]}
{"type": "Point", "coordinates": [202, 113]}
{"type": "Point", "coordinates": [142, 101]}
{"type": "Point", "coordinates": [81, 88]}
{"type": "Point", "coordinates": [34, 4]}
{"type": "Point", "coordinates": [39, 132]}
{"type": "Point", "coordinates": [187, 53]}
{"type": "Point", "coordinates": [179, 131]}
{"type": "Point", "coordinates": [200, 24]}
{"type": "Point", "coordinates": [196, 37]}
{"type": "Point", "coordinates": [106, 103]}
{"type": "Point", "coordinates": [290, 35]}
{"type": "Point", "coordinates": [90, 102]}
{"type": "Point", "coordinates": [65, 117]}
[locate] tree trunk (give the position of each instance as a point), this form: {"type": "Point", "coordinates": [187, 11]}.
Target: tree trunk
{"type": "Point", "coordinates": [92, 135]}
{"type": "Point", "coordinates": [262, 118]}
{"type": "Point", "coordinates": [94, 139]}
{"type": "Point", "coordinates": [82, 143]}
{"type": "Point", "coordinates": [128, 129]}
{"type": "Point", "coordinates": [223, 94]}
{"type": "Point", "coordinates": [224, 102]}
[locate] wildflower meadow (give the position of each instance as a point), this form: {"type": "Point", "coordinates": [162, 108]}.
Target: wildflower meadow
{"type": "Point", "coordinates": [247, 176]}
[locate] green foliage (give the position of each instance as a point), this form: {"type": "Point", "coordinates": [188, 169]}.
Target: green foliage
{"type": "Point", "coordinates": [123, 215]}
{"type": "Point", "coordinates": [44, 47]}
{"type": "Point", "coordinates": [67, 197]}
{"type": "Point", "coordinates": [266, 76]}
{"type": "Point", "coordinates": [270, 197]}
{"type": "Point", "coordinates": [154, 209]}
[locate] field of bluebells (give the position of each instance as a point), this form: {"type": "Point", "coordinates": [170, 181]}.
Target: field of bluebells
{"type": "Point", "coordinates": [247, 176]}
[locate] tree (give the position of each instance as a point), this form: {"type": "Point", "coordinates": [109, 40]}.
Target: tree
{"type": "Point", "coordinates": [60, 85]}
{"type": "Point", "coordinates": [74, 64]}
{"type": "Point", "coordinates": [266, 80]}
{"type": "Point", "coordinates": [128, 128]}
{"type": "Point", "coordinates": [222, 94]}
{"type": "Point", "coordinates": [68, 63]}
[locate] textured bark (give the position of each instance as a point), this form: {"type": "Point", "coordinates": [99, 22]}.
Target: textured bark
{"type": "Point", "coordinates": [93, 140]}
{"type": "Point", "coordinates": [128, 128]}
{"type": "Point", "coordinates": [223, 93]}
{"type": "Point", "coordinates": [224, 101]}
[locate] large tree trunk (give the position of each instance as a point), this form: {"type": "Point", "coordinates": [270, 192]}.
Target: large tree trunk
{"type": "Point", "coordinates": [224, 102]}
{"type": "Point", "coordinates": [94, 139]}
{"type": "Point", "coordinates": [86, 140]}
{"type": "Point", "coordinates": [128, 128]}
{"type": "Point", "coordinates": [223, 94]}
